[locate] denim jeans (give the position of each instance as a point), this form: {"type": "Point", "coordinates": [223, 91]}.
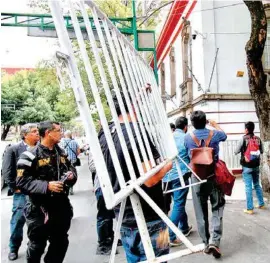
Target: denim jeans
{"type": "Point", "coordinates": [133, 246]}
{"type": "Point", "coordinates": [178, 215]}
{"type": "Point", "coordinates": [201, 193]}
{"type": "Point", "coordinates": [251, 175]}
{"type": "Point", "coordinates": [104, 221]}
{"type": "Point", "coordinates": [17, 222]}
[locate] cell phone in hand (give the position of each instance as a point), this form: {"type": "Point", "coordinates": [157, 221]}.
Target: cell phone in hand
{"type": "Point", "coordinates": [64, 177]}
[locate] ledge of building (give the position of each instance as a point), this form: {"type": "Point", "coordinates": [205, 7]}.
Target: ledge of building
{"type": "Point", "coordinates": [209, 97]}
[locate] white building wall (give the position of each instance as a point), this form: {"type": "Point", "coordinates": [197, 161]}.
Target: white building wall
{"type": "Point", "coordinates": [232, 31]}
{"type": "Point", "coordinates": [198, 56]}
{"type": "Point", "coordinates": [226, 28]}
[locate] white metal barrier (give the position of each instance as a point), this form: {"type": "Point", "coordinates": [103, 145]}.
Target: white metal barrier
{"type": "Point", "coordinates": [117, 62]}
{"type": "Point", "coordinates": [227, 150]}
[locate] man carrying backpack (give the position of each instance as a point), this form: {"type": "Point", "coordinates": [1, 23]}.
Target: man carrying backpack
{"type": "Point", "coordinates": [203, 149]}
{"type": "Point", "coordinates": [250, 147]}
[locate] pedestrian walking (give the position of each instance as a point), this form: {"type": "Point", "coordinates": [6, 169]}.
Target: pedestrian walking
{"type": "Point", "coordinates": [251, 147]}
{"type": "Point", "coordinates": [104, 216]}
{"type": "Point", "coordinates": [30, 137]}
{"type": "Point", "coordinates": [178, 215]}
{"type": "Point", "coordinates": [201, 193]}
{"type": "Point", "coordinates": [45, 174]}
{"type": "Point", "coordinates": [130, 235]}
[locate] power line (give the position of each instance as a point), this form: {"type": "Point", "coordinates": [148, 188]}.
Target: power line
{"type": "Point", "coordinates": [209, 9]}
{"type": "Point", "coordinates": [156, 10]}
{"type": "Point", "coordinates": [203, 10]}
{"type": "Point", "coordinates": [228, 33]}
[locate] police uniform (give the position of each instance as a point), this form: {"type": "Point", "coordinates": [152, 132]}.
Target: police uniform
{"type": "Point", "coordinates": [48, 214]}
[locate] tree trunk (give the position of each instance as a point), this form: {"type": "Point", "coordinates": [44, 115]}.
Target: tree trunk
{"type": "Point", "coordinates": [257, 80]}
{"type": "Point", "coordinates": [5, 132]}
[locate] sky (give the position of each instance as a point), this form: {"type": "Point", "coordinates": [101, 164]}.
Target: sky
{"type": "Point", "coordinates": [17, 50]}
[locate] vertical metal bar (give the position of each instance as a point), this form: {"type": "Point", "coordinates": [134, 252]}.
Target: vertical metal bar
{"type": "Point", "coordinates": [145, 238]}
{"type": "Point", "coordinates": [134, 93]}
{"type": "Point", "coordinates": [134, 25]}
{"type": "Point", "coordinates": [106, 87]}
{"type": "Point", "coordinates": [142, 106]}
{"type": "Point", "coordinates": [180, 175]}
{"type": "Point", "coordinates": [160, 117]}
{"type": "Point", "coordinates": [152, 108]}
{"type": "Point", "coordinates": [117, 230]}
{"type": "Point", "coordinates": [59, 75]}
{"type": "Point", "coordinates": [123, 85]}
{"type": "Point", "coordinates": [42, 23]}
{"type": "Point", "coordinates": [155, 65]}
{"type": "Point", "coordinates": [122, 107]}
{"type": "Point", "coordinates": [155, 127]}
{"type": "Point", "coordinates": [157, 97]}
{"type": "Point", "coordinates": [95, 91]}
{"type": "Point", "coordinates": [128, 78]}
{"type": "Point", "coordinates": [82, 103]}
{"type": "Point", "coordinates": [145, 99]}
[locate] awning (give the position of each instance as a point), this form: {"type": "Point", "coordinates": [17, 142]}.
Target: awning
{"type": "Point", "coordinates": [172, 27]}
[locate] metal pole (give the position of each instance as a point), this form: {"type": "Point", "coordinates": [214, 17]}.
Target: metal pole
{"type": "Point", "coordinates": [208, 90]}
{"type": "Point", "coordinates": [155, 59]}
{"type": "Point", "coordinates": [155, 65]}
{"type": "Point", "coordinates": [134, 25]}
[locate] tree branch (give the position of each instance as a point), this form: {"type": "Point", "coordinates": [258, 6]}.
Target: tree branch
{"type": "Point", "coordinates": [156, 10]}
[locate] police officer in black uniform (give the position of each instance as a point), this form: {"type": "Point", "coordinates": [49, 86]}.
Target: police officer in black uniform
{"type": "Point", "coordinates": [45, 175]}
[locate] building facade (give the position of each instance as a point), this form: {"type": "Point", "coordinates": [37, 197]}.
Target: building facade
{"type": "Point", "coordinates": [202, 64]}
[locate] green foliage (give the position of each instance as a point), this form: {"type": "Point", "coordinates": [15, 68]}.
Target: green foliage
{"type": "Point", "coordinates": [115, 8]}
{"type": "Point", "coordinates": [65, 107]}
{"type": "Point", "coordinates": [35, 111]}
{"type": "Point", "coordinates": [35, 96]}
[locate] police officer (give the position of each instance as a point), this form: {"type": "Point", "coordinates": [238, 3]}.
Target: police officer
{"type": "Point", "coordinates": [45, 174]}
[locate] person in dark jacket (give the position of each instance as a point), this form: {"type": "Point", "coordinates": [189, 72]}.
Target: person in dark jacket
{"type": "Point", "coordinates": [130, 235]}
{"type": "Point", "coordinates": [251, 168]}
{"type": "Point", "coordinates": [45, 175]}
{"type": "Point", "coordinates": [105, 217]}
{"type": "Point", "coordinates": [30, 137]}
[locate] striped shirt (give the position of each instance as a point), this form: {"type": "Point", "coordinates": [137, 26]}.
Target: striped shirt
{"type": "Point", "coordinates": [70, 146]}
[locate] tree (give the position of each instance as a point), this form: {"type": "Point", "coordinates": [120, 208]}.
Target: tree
{"type": "Point", "coordinates": [35, 111]}
{"type": "Point", "coordinates": [32, 97]}
{"type": "Point", "coordinates": [257, 80]}
{"type": "Point", "coordinates": [14, 94]}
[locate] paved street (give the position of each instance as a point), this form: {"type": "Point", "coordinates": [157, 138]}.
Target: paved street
{"type": "Point", "coordinates": [246, 238]}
